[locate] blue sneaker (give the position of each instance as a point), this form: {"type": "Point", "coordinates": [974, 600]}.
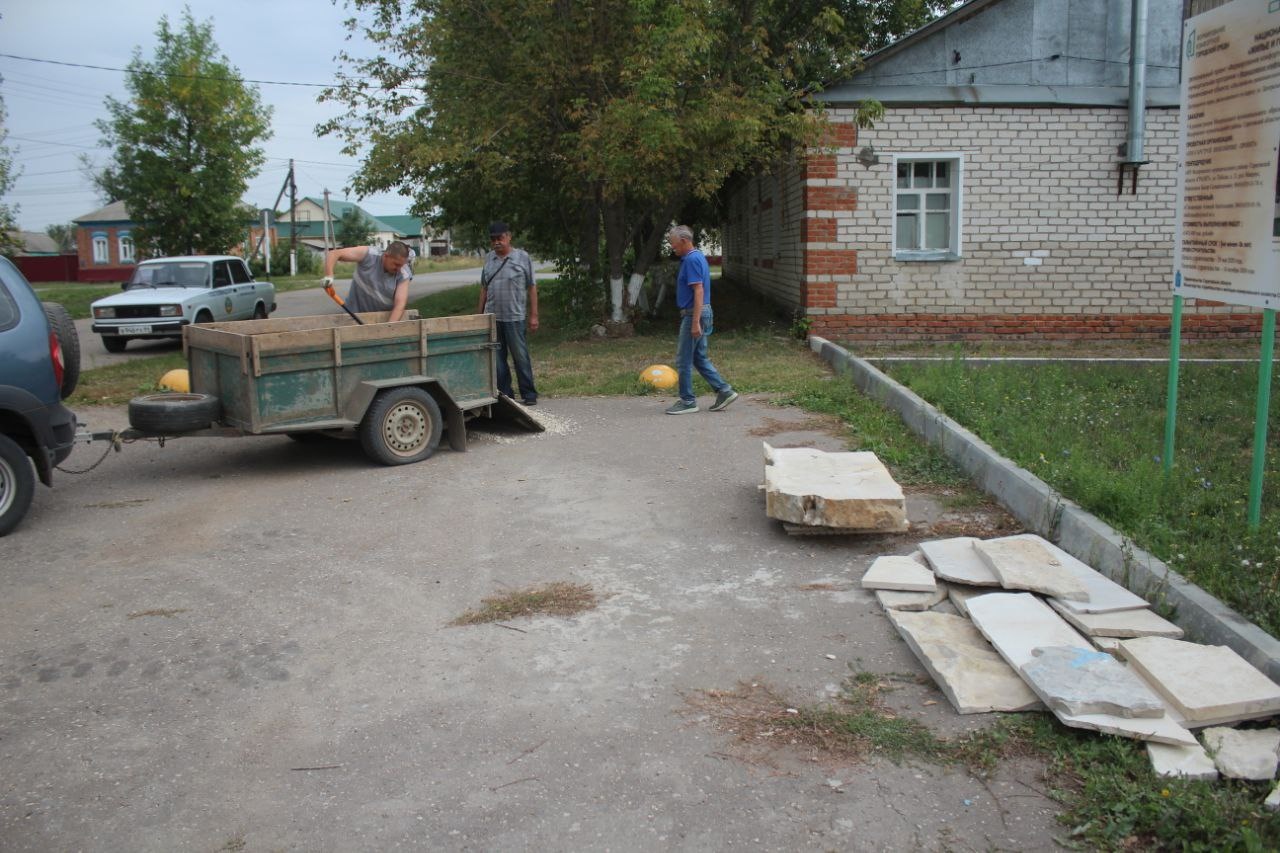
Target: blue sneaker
{"type": "Point", "coordinates": [680, 407]}
{"type": "Point", "coordinates": [723, 400]}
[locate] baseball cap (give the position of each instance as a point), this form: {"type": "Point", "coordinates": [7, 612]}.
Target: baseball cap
{"type": "Point", "coordinates": [497, 229]}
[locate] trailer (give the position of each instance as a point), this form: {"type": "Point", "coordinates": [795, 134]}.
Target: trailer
{"type": "Point", "coordinates": [398, 386]}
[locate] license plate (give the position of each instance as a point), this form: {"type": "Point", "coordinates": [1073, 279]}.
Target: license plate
{"type": "Point", "coordinates": [135, 330]}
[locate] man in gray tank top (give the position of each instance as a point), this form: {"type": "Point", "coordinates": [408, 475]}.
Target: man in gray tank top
{"type": "Point", "coordinates": [381, 278]}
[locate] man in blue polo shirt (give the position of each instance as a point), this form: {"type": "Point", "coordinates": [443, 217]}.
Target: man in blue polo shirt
{"type": "Point", "coordinates": [693, 298]}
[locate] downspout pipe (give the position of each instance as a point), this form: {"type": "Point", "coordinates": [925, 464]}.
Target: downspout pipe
{"type": "Point", "coordinates": [1134, 146]}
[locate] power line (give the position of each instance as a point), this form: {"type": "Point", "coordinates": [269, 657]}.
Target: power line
{"type": "Point", "coordinates": [181, 76]}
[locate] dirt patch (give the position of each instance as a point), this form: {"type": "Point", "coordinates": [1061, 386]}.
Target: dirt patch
{"type": "Point", "coordinates": [828, 424]}
{"type": "Point", "coordinates": [553, 599]}
{"type": "Point", "coordinates": [939, 512]}
{"type": "Point", "coordinates": [823, 587]}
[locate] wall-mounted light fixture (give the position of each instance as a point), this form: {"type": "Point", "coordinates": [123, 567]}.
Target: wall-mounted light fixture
{"type": "Point", "coordinates": [868, 156]}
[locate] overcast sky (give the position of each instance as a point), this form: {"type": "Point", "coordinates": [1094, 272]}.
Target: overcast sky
{"type": "Point", "coordinates": [51, 108]}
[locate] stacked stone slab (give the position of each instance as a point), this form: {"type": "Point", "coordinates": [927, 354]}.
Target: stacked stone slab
{"type": "Point", "coordinates": [845, 491]}
{"type": "Point", "coordinates": [1016, 623]}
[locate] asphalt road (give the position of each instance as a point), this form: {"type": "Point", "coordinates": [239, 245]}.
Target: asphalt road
{"type": "Point", "coordinates": [226, 644]}
{"type": "Point", "coordinates": [297, 303]}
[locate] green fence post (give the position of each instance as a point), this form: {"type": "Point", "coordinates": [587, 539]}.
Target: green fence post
{"type": "Point", "coordinates": [1171, 394]}
{"type": "Point", "coordinates": [1260, 424]}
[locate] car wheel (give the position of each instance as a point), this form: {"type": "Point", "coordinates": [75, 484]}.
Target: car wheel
{"type": "Point", "coordinates": [203, 317]}
{"type": "Point", "coordinates": [259, 312]}
{"type": "Point", "coordinates": [65, 328]}
{"type": "Point", "coordinates": [166, 414]}
{"type": "Point", "coordinates": [403, 425]}
{"type": "Point", "coordinates": [17, 484]}
{"type": "Point", "coordinates": [114, 343]}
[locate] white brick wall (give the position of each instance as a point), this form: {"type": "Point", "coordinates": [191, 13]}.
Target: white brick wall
{"type": "Point", "coordinates": [1038, 182]}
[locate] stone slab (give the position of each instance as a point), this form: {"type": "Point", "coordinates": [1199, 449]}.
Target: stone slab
{"type": "Point", "coordinates": [960, 595]}
{"type": "Point", "coordinates": [1110, 645]}
{"type": "Point", "coordinates": [1105, 595]}
{"type": "Point", "coordinates": [912, 601]}
{"type": "Point", "coordinates": [1084, 681]}
{"type": "Point", "coordinates": [1121, 624]}
{"type": "Point", "coordinates": [969, 672]}
{"type": "Point", "coordinates": [1244, 753]}
{"type": "Point", "coordinates": [956, 560]}
{"type": "Point", "coordinates": [1187, 762]}
{"type": "Point", "coordinates": [948, 608]}
{"type": "Point", "coordinates": [902, 574]}
{"type": "Point", "coordinates": [854, 491]}
{"type": "Point", "coordinates": [1272, 802]}
{"type": "Point", "coordinates": [1019, 623]}
{"type": "Point", "coordinates": [1208, 685]}
{"type": "Point", "coordinates": [1023, 563]}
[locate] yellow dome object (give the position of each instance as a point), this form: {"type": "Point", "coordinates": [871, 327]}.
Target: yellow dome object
{"type": "Point", "coordinates": [659, 376]}
{"type": "Point", "coordinates": [175, 380]}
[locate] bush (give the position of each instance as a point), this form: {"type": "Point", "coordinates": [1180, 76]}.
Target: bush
{"type": "Point", "coordinates": [308, 263]}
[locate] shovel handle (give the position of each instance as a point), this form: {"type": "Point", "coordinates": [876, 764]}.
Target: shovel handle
{"type": "Point", "coordinates": [333, 294]}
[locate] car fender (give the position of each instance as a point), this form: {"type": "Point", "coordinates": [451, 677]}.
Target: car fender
{"type": "Point", "coordinates": [27, 421]}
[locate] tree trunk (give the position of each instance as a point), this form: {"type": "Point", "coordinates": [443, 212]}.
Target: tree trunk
{"type": "Point", "coordinates": [648, 245]}
{"type": "Point", "coordinates": [615, 240]}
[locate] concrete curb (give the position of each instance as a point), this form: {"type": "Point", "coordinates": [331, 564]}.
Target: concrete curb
{"type": "Point", "coordinates": [1044, 511]}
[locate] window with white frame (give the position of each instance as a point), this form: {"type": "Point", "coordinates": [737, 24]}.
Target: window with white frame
{"type": "Point", "coordinates": [126, 248]}
{"type": "Point", "coordinates": [101, 249]}
{"type": "Point", "coordinates": [926, 207]}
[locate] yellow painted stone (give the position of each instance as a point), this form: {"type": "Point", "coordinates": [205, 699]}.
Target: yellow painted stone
{"type": "Point", "coordinates": [659, 376]}
{"type": "Point", "coordinates": [175, 380]}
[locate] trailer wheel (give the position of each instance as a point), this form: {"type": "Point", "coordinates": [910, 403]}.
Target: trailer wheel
{"type": "Point", "coordinates": [403, 425]}
{"type": "Point", "coordinates": [64, 327]}
{"type": "Point", "coordinates": [17, 484]}
{"type": "Point", "coordinates": [173, 413]}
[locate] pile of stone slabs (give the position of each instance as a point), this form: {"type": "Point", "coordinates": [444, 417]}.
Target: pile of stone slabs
{"type": "Point", "coordinates": [813, 490]}
{"type": "Point", "coordinates": [1019, 650]}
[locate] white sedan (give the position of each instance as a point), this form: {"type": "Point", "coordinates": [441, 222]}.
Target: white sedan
{"type": "Point", "coordinates": [166, 294]}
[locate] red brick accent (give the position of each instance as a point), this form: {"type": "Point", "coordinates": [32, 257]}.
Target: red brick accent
{"type": "Point", "coordinates": [820, 166]}
{"type": "Point", "coordinates": [820, 230]}
{"type": "Point", "coordinates": [830, 198]}
{"type": "Point", "coordinates": [840, 134]}
{"type": "Point", "coordinates": [818, 295]}
{"type": "Point", "coordinates": [830, 262]}
{"type": "Point", "coordinates": [974, 327]}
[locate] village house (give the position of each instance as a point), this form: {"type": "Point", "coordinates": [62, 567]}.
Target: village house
{"type": "Point", "coordinates": [997, 196]}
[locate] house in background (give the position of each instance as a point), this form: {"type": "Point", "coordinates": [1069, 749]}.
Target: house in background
{"type": "Point", "coordinates": [105, 244]}
{"type": "Point", "coordinates": [993, 198]}
{"type": "Point", "coordinates": [40, 259]}
{"type": "Point", "coordinates": [408, 229]}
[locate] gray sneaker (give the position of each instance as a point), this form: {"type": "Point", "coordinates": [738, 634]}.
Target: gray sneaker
{"type": "Point", "coordinates": [680, 407]}
{"type": "Point", "coordinates": [723, 400]}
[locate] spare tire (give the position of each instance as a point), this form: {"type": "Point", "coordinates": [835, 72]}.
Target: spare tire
{"type": "Point", "coordinates": [61, 324]}
{"type": "Point", "coordinates": [167, 414]}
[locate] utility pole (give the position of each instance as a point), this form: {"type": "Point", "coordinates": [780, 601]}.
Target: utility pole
{"type": "Point", "coordinates": [293, 221]}
{"type": "Point", "coordinates": [328, 222]}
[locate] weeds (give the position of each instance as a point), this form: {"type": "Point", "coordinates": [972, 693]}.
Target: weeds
{"type": "Point", "coordinates": [553, 599]}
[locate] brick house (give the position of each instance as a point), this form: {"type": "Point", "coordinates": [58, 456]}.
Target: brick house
{"type": "Point", "coordinates": [106, 250]}
{"type": "Point", "coordinates": [989, 200]}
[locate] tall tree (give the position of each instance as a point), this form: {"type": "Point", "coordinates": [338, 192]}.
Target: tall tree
{"type": "Point", "coordinates": [64, 235]}
{"type": "Point", "coordinates": [8, 213]}
{"type": "Point", "coordinates": [184, 145]}
{"type": "Point", "coordinates": [353, 228]}
{"type": "Point", "coordinates": [580, 119]}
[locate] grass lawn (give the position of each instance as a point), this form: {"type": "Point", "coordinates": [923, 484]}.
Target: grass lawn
{"type": "Point", "coordinates": [76, 297]}
{"type": "Point", "coordinates": [1095, 433]}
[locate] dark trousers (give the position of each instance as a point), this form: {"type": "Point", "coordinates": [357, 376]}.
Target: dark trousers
{"type": "Point", "coordinates": [511, 341]}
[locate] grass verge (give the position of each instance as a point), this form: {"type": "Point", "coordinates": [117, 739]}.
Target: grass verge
{"type": "Point", "coordinates": [1095, 433]}
{"type": "Point", "coordinates": [1108, 795]}
{"type": "Point", "coordinates": [553, 599]}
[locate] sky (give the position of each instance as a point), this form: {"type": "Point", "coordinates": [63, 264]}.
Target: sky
{"type": "Point", "coordinates": [51, 108]}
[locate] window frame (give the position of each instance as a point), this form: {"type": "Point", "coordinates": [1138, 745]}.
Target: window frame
{"type": "Point", "coordinates": [96, 240]}
{"type": "Point", "coordinates": [955, 249]}
{"type": "Point", "coordinates": [121, 239]}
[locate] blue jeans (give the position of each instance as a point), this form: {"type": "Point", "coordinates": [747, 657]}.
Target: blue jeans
{"type": "Point", "coordinates": [511, 341]}
{"type": "Point", "coordinates": [691, 353]}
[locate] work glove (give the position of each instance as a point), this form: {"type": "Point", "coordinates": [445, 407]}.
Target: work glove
{"type": "Point", "coordinates": [326, 282]}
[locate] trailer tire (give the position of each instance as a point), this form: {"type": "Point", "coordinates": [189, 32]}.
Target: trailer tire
{"type": "Point", "coordinates": [402, 426]}
{"type": "Point", "coordinates": [173, 413]}
{"type": "Point", "coordinates": [17, 484]}
{"type": "Point", "coordinates": [61, 324]}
